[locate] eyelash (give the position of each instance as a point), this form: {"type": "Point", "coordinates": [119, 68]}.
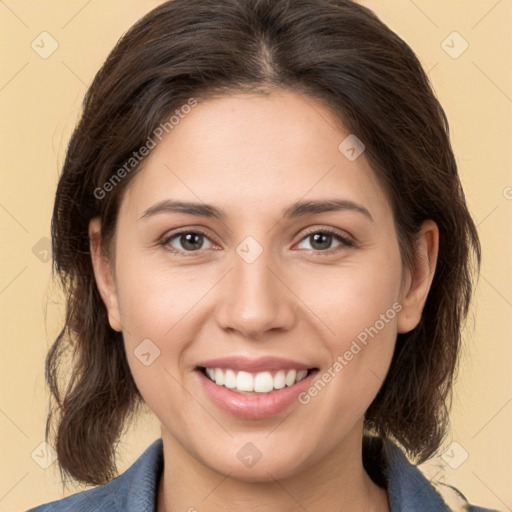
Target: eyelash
{"type": "Point", "coordinates": [345, 241]}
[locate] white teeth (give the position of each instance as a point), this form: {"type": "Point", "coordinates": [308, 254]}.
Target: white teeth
{"type": "Point", "coordinates": [290, 377]}
{"type": "Point", "coordinates": [280, 379]}
{"type": "Point", "coordinates": [229, 379]}
{"type": "Point", "coordinates": [244, 381]}
{"type": "Point", "coordinates": [219, 376]}
{"type": "Point", "coordinates": [301, 375]}
{"type": "Point", "coordinates": [262, 382]}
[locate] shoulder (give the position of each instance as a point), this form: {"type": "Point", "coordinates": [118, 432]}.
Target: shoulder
{"type": "Point", "coordinates": [132, 491]}
{"type": "Point", "coordinates": [407, 487]}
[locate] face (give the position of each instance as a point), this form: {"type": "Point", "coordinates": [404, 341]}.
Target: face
{"type": "Point", "coordinates": [299, 269]}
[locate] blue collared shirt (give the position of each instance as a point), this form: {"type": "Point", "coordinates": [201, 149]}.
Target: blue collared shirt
{"type": "Point", "coordinates": [135, 489]}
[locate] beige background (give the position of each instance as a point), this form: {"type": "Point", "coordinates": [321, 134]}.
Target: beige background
{"type": "Point", "coordinates": [39, 104]}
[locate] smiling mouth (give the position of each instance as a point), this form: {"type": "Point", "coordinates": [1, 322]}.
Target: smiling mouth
{"type": "Point", "coordinates": [255, 383]}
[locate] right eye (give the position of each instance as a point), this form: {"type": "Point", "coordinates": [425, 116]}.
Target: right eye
{"type": "Point", "coordinates": [186, 241]}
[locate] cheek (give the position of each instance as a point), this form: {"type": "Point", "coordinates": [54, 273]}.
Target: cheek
{"type": "Point", "coordinates": [353, 298]}
{"type": "Point", "coordinates": [361, 353]}
{"type": "Point", "coordinates": [155, 299]}
{"type": "Point", "coordinates": [153, 305]}
{"type": "Point", "coordinates": [359, 306]}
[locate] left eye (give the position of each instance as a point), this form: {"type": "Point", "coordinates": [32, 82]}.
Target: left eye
{"type": "Point", "coordinates": [322, 240]}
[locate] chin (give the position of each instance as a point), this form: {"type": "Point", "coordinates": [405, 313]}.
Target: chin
{"type": "Point", "coordinates": [250, 464]}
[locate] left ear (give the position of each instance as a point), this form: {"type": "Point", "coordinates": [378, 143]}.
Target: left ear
{"type": "Point", "coordinates": [418, 281]}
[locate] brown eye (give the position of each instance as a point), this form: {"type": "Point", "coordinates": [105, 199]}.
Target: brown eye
{"type": "Point", "coordinates": [188, 241]}
{"type": "Point", "coordinates": [322, 240]}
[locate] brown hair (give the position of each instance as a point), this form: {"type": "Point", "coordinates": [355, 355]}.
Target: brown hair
{"type": "Point", "coordinates": [333, 50]}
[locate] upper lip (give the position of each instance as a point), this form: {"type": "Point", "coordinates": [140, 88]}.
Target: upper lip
{"type": "Point", "coordinates": [262, 364]}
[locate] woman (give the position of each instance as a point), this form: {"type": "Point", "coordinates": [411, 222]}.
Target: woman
{"type": "Point", "coordinates": [262, 236]}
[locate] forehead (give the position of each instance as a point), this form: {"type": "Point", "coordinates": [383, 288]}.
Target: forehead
{"type": "Point", "coordinates": [244, 152]}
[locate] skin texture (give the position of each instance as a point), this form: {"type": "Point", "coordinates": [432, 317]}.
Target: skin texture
{"type": "Point", "coordinates": [253, 156]}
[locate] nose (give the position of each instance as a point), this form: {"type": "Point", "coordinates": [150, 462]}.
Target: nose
{"type": "Point", "coordinates": [256, 298]}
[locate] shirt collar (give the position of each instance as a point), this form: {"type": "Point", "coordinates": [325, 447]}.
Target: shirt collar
{"type": "Point", "coordinates": [137, 487]}
{"type": "Point", "coordinates": [407, 487]}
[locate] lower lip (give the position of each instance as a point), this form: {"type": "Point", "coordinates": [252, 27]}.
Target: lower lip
{"type": "Point", "coordinates": [254, 406]}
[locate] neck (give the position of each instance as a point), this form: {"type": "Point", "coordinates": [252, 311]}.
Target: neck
{"type": "Point", "coordinates": [335, 482]}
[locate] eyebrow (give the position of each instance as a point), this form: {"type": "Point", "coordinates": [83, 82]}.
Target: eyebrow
{"type": "Point", "coordinates": [298, 209]}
